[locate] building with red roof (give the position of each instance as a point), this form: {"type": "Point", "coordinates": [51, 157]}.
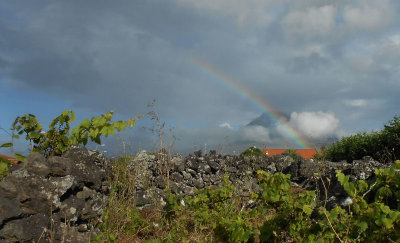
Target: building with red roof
{"type": "Point", "coordinates": [305, 153]}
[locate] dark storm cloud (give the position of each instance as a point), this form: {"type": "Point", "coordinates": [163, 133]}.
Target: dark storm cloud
{"type": "Point", "coordinates": [303, 56]}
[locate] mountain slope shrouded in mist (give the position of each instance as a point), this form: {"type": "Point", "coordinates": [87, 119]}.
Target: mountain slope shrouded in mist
{"type": "Point", "coordinates": [280, 140]}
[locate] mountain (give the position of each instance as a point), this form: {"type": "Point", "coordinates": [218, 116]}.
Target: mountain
{"type": "Point", "coordinates": [278, 139]}
{"type": "Point", "coordinates": [266, 121]}
{"type": "Point", "coordinates": [271, 124]}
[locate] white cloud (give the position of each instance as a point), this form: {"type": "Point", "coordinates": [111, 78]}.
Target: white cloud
{"type": "Point", "coordinates": [314, 124]}
{"type": "Point", "coordinates": [255, 134]}
{"type": "Point", "coordinates": [370, 15]}
{"type": "Point", "coordinates": [314, 21]}
{"type": "Point", "coordinates": [226, 125]}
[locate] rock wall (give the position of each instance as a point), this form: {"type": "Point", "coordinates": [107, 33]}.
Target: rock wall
{"type": "Point", "coordinates": [55, 199]}
{"type": "Point", "coordinates": [61, 199]}
{"type": "Point", "coordinates": [186, 174]}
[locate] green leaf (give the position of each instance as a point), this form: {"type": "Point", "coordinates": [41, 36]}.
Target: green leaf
{"type": "Point", "coordinates": [107, 130]}
{"type": "Point", "coordinates": [20, 157]}
{"type": "Point", "coordinates": [307, 209]}
{"type": "Point", "coordinates": [93, 133]}
{"type": "Point", "coordinates": [3, 167]}
{"type": "Point", "coordinates": [109, 115]}
{"type": "Point", "coordinates": [362, 186]}
{"type": "Point", "coordinates": [72, 117]}
{"type": "Point", "coordinates": [65, 113]}
{"type": "Point", "coordinates": [84, 139]}
{"type": "Point", "coordinates": [387, 223]}
{"type": "Point", "coordinates": [120, 125]}
{"type": "Point", "coordinates": [34, 135]}
{"type": "Point", "coordinates": [6, 145]}
{"type": "Point", "coordinates": [363, 226]}
{"type": "Point", "coordinates": [85, 124]}
{"type": "Point", "coordinates": [97, 140]}
{"type": "Point", "coordinates": [99, 122]}
{"type": "Point", "coordinates": [131, 122]}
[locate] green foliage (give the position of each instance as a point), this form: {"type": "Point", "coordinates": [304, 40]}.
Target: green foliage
{"type": "Point", "coordinates": [252, 151]}
{"type": "Point", "coordinates": [372, 222]}
{"type": "Point", "coordinates": [6, 145]}
{"type": "Point", "coordinates": [293, 211]}
{"type": "Point", "coordinates": [58, 139]}
{"type": "Point", "coordinates": [5, 163]}
{"type": "Point", "coordinates": [4, 166]}
{"type": "Point", "coordinates": [388, 185]}
{"type": "Point", "coordinates": [213, 209]}
{"type": "Point", "coordinates": [292, 153]}
{"type": "Point", "coordinates": [383, 145]}
{"type": "Point", "coordinates": [282, 213]}
{"type": "Point", "coordinates": [29, 125]}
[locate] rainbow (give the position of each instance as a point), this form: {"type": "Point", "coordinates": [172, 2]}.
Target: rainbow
{"type": "Point", "coordinates": [262, 104]}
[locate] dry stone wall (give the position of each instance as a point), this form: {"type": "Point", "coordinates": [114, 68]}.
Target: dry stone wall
{"type": "Point", "coordinates": [61, 199]}
{"type": "Point", "coordinates": [187, 174]}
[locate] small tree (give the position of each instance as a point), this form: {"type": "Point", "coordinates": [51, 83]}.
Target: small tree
{"type": "Point", "coordinates": [58, 139]}
{"type": "Point", "coordinates": [252, 151]}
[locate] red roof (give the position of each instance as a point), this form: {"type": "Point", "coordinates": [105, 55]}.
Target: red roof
{"type": "Point", "coordinates": [305, 153]}
{"type": "Point", "coordinates": [14, 160]}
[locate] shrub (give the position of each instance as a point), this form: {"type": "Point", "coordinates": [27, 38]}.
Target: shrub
{"type": "Point", "coordinates": [58, 138]}
{"type": "Point", "coordinates": [292, 153]}
{"type": "Point", "coordinates": [252, 151]}
{"type": "Point", "coordinates": [4, 165]}
{"type": "Point", "coordinates": [382, 145]}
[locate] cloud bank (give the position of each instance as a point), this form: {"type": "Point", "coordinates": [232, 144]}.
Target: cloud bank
{"type": "Point", "coordinates": [302, 57]}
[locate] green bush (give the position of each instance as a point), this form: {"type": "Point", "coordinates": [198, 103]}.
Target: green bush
{"type": "Point", "coordinates": [58, 138]}
{"type": "Point", "coordinates": [252, 151]}
{"type": "Point", "coordinates": [382, 145]}
{"type": "Point", "coordinates": [281, 213]}
{"type": "Point", "coordinates": [4, 165]}
{"type": "Point", "coordinates": [292, 153]}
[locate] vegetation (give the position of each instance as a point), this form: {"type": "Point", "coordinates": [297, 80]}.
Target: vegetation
{"type": "Point", "coordinates": [382, 145]}
{"type": "Point", "coordinates": [292, 153]}
{"type": "Point", "coordinates": [58, 138]}
{"type": "Point", "coordinates": [281, 213]}
{"type": "Point", "coordinates": [4, 165]}
{"type": "Point", "coordinates": [252, 151]}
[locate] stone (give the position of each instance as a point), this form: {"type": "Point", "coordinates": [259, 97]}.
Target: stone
{"type": "Point", "coordinates": [193, 165]}
{"type": "Point", "coordinates": [69, 188]}
{"type": "Point", "coordinates": [283, 162]}
{"type": "Point", "coordinates": [178, 164]}
{"type": "Point", "coordinates": [142, 198]}
{"type": "Point", "coordinates": [214, 165]}
{"type": "Point", "coordinates": [86, 193]}
{"type": "Point", "coordinates": [198, 183]}
{"type": "Point", "coordinates": [177, 177]}
{"type": "Point", "coordinates": [307, 168]}
{"type": "Point", "coordinates": [212, 153]}
{"type": "Point", "coordinates": [26, 229]}
{"type": "Point", "coordinates": [198, 153]}
{"type": "Point", "coordinates": [189, 190]}
{"type": "Point", "coordinates": [160, 183]}
{"type": "Point", "coordinates": [186, 175]}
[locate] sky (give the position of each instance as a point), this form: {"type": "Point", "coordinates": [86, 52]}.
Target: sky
{"type": "Point", "coordinates": [332, 67]}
